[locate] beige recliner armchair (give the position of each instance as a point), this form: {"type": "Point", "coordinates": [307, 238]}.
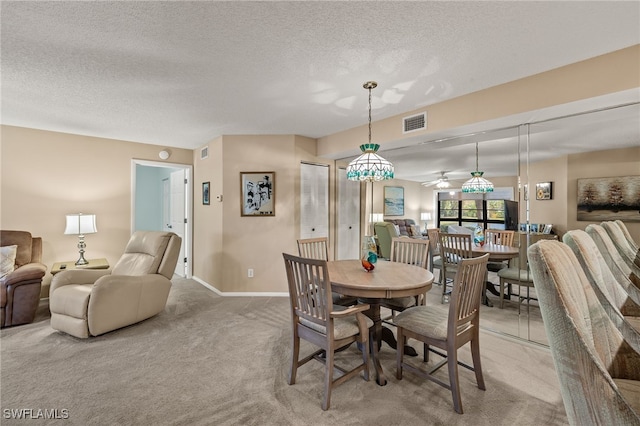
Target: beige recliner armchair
{"type": "Point", "coordinates": [87, 303]}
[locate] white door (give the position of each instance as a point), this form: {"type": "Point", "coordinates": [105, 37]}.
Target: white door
{"type": "Point", "coordinates": [314, 201]}
{"type": "Point", "coordinates": [178, 214]}
{"type": "Point", "coordinates": [348, 238]}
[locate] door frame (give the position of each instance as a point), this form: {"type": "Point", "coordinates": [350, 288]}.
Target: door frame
{"type": "Point", "coordinates": [188, 230]}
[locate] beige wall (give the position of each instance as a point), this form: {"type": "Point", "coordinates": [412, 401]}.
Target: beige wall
{"type": "Point", "coordinates": [228, 244]}
{"type": "Point", "coordinates": [609, 163]}
{"type": "Point", "coordinates": [46, 175]}
{"type": "Point", "coordinates": [610, 73]}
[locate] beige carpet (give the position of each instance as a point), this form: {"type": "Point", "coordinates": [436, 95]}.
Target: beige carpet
{"type": "Point", "coordinates": [209, 360]}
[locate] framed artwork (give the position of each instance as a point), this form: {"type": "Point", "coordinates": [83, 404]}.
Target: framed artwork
{"type": "Point", "coordinates": [205, 193]}
{"type": "Point", "coordinates": [258, 197]}
{"type": "Point", "coordinates": [609, 198]}
{"type": "Point", "coordinates": [544, 191]}
{"type": "Point", "coordinates": [393, 201]}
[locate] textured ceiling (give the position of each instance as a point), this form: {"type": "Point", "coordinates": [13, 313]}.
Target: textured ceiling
{"type": "Point", "coordinates": [182, 73]}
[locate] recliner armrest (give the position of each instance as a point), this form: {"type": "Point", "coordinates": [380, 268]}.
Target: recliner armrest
{"type": "Point", "coordinates": [25, 273]}
{"type": "Point", "coordinates": [77, 276]}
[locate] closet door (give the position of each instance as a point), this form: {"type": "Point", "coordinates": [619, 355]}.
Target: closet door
{"type": "Point", "coordinates": [314, 200]}
{"type": "Point", "coordinates": [348, 234]}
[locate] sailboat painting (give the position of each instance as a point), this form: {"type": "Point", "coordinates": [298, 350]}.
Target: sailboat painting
{"type": "Point", "coordinates": [609, 198]}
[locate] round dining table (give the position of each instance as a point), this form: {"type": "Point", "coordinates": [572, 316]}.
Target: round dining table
{"type": "Point", "coordinates": [387, 280]}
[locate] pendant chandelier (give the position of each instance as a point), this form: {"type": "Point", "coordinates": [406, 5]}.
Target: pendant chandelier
{"type": "Point", "coordinates": [477, 184]}
{"type": "Point", "coordinates": [369, 166]}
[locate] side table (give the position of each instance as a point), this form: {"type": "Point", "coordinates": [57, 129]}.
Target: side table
{"type": "Point", "coordinates": [93, 264]}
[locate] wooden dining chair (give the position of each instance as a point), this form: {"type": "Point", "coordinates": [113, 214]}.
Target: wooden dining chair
{"type": "Point", "coordinates": [501, 237]}
{"type": "Point", "coordinates": [413, 252]}
{"type": "Point", "coordinates": [450, 331]}
{"type": "Point", "coordinates": [315, 320]}
{"type": "Point", "coordinates": [318, 248]}
{"type": "Point", "coordinates": [433, 234]}
{"type": "Point", "coordinates": [453, 247]}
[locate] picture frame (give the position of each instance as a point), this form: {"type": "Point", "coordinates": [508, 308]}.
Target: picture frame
{"type": "Point", "coordinates": [206, 193]}
{"type": "Point", "coordinates": [609, 198]}
{"type": "Point", "coordinates": [544, 191]}
{"type": "Point", "coordinates": [394, 201]}
{"type": "Point", "coordinates": [257, 194]}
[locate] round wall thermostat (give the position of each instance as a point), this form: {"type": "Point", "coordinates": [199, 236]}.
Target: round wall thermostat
{"type": "Point", "coordinates": [164, 154]}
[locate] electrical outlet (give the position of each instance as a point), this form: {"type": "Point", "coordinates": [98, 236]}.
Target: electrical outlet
{"type": "Point", "coordinates": [250, 273]}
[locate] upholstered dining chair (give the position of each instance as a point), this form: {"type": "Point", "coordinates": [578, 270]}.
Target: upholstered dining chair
{"type": "Point", "coordinates": [634, 245]}
{"type": "Point", "coordinates": [413, 252]}
{"type": "Point", "coordinates": [315, 320]}
{"type": "Point", "coordinates": [87, 302]}
{"type": "Point", "coordinates": [318, 248]}
{"type": "Point", "coordinates": [453, 247]}
{"type": "Point", "coordinates": [614, 260]}
{"type": "Point", "coordinates": [450, 331]}
{"type": "Point", "coordinates": [627, 252]}
{"type": "Point", "coordinates": [622, 310]}
{"type": "Point", "coordinates": [598, 371]}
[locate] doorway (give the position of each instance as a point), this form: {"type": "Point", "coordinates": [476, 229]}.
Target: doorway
{"type": "Point", "coordinates": [161, 201]}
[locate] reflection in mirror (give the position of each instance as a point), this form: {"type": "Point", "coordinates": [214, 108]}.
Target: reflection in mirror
{"type": "Point", "coordinates": [516, 159]}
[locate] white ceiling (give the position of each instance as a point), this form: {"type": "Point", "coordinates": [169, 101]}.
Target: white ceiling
{"type": "Point", "coordinates": [179, 74]}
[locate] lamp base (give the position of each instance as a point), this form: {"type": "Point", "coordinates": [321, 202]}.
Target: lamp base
{"type": "Point", "coordinates": [81, 245]}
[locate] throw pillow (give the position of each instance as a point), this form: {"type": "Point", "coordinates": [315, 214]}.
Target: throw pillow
{"type": "Point", "coordinates": [397, 227]}
{"type": "Point", "coordinates": [7, 259]}
{"type": "Point", "coordinates": [415, 231]}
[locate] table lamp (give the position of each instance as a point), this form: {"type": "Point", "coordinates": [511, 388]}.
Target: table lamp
{"type": "Point", "coordinates": [81, 224]}
{"type": "Point", "coordinates": [426, 217]}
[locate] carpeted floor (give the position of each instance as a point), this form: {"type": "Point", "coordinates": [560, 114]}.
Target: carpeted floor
{"type": "Point", "coordinates": [209, 360]}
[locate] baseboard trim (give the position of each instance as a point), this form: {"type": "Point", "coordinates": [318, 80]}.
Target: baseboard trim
{"type": "Point", "coordinates": [237, 293]}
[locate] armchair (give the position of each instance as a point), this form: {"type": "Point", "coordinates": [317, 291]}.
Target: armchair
{"type": "Point", "coordinates": [385, 231]}
{"type": "Point", "coordinates": [20, 288]}
{"type": "Point", "coordinates": [87, 303]}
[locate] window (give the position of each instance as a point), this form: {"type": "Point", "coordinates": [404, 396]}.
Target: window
{"type": "Point", "coordinates": [471, 210]}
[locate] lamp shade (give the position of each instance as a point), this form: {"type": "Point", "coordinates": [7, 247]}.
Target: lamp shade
{"type": "Point", "coordinates": [425, 216]}
{"type": "Point", "coordinates": [80, 224]}
{"type": "Point", "coordinates": [477, 184]}
{"type": "Point", "coordinates": [369, 166]}
{"type": "Point", "coordinates": [377, 217]}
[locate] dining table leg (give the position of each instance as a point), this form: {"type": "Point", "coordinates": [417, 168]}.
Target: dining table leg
{"type": "Point", "coordinates": [375, 340]}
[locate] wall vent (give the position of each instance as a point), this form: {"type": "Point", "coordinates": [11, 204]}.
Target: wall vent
{"type": "Point", "coordinates": [414, 123]}
{"type": "Point", "coordinates": [204, 153]}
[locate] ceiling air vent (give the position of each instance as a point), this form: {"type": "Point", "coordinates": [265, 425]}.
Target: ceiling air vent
{"type": "Point", "coordinates": [415, 122]}
{"type": "Point", "coordinates": [204, 153]}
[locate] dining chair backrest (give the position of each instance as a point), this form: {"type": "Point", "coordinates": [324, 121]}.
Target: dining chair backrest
{"type": "Point", "coordinates": [309, 290]}
{"type": "Point", "coordinates": [609, 251]}
{"type": "Point", "coordinates": [454, 247]}
{"type": "Point", "coordinates": [620, 241]}
{"type": "Point", "coordinates": [627, 234]}
{"type": "Point", "coordinates": [468, 283]}
{"type": "Point", "coordinates": [499, 236]}
{"type": "Point", "coordinates": [411, 251]}
{"type": "Point", "coordinates": [313, 248]}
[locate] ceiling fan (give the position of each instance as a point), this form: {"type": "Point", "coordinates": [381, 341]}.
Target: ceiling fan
{"type": "Point", "coordinates": [442, 182]}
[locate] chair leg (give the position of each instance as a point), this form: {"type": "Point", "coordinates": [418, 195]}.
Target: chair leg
{"type": "Point", "coordinates": [425, 354]}
{"type": "Point", "coordinates": [501, 294]}
{"type": "Point", "coordinates": [400, 353]}
{"type": "Point", "coordinates": [477, 366]}
{"type": "Point", "coordinates": [294, 360]}
{"type": "Point", "coordinates": [328, 379]}
{"type": "Point", "coordinates": [364, 344]}
{"type": "Point", "coordinates": [452, 364]}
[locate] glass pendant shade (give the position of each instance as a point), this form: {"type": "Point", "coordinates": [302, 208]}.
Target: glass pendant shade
{"type": "Point", "coordinates": [477, 184]}
{"type": "Point", "coordinates": [369, 166]}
